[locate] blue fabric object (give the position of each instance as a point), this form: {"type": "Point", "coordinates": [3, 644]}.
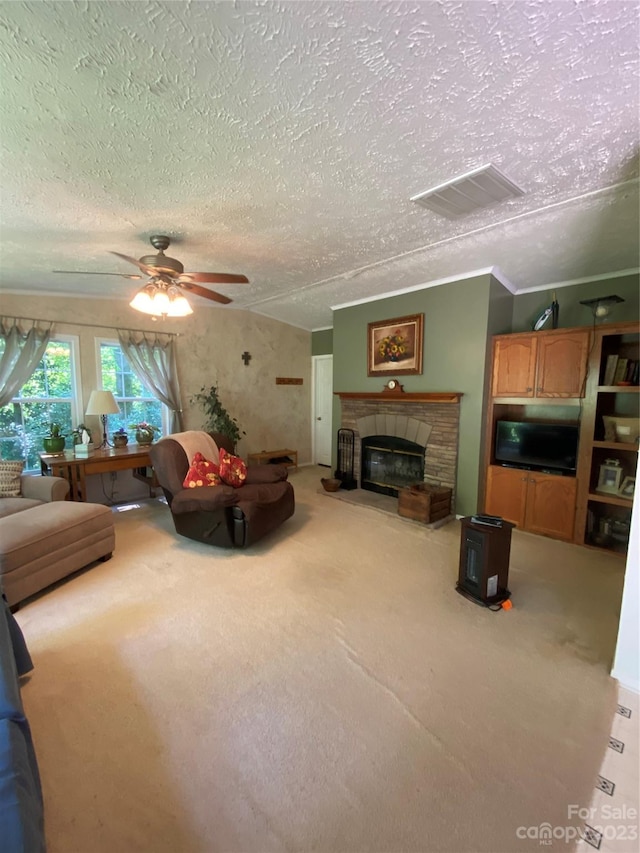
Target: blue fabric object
{"type": "Point", "coordinates": [21, 807]}
{"type": "Point", "coordinates": [24, 664]}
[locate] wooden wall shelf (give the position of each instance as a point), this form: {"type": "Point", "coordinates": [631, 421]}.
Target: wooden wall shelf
{"type": "Point", "coordinates": [614, 500]}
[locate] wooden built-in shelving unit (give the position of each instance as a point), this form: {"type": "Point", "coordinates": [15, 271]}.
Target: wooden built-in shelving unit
{"type": "Point", "coordinates": [556, 376]}
{"type": "Point", "coordinates": [603, 520]}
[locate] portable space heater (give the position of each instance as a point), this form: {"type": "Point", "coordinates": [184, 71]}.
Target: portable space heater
{"type": "Point", "coordinates": [485, 548]}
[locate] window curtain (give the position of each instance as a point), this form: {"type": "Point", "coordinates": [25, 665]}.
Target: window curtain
{"type": "Point", "coordinates": [154, 362]}
{"type": "Point", "coordinates": [22, 354]}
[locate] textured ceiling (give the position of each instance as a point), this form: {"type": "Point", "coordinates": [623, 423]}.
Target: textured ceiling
{"type": "Point", "coordinates": [283, 140]}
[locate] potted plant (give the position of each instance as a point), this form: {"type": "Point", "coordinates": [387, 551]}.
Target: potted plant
{"type": "Point", "coordinates": [144, 432]}
{"type": "Point", "coordinates": [54, 441]}
{"type": "Point", "coordinates": [217, 417]}
{"type": "Point", "coordinates": [120, 437]}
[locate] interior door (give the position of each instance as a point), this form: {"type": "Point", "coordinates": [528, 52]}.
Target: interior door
{"type": "Point", "coordinates": [322, 408]}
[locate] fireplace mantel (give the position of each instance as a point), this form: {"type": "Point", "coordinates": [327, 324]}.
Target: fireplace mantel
{"type": "Point", "coordinates": [401, 396]}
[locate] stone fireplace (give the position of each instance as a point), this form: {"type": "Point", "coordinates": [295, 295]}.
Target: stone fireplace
{"type": "Point", "coordinates": [430, 422]}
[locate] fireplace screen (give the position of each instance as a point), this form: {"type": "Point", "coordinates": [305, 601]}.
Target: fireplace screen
{"type": "Point", "coordinates": [390, 464]}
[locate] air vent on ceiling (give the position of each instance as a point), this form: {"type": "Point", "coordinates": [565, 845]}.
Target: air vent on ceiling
{"type": "Point", "coordinates": [480, 188]}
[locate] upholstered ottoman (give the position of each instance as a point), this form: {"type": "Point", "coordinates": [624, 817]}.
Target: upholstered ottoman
{"type": "Point", "coordinates": [43, 544]}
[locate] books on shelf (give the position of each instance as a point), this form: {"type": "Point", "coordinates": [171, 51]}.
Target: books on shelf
{"type": "Point", "coordinates": [610, 369]}
{"type": "Point", "coordinates": [621, 371]}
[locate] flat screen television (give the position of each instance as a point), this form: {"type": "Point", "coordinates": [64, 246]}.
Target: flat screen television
{"type": "Point", "coordinates": [537, 446]}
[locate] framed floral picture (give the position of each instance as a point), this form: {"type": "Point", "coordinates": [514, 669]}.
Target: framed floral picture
{"type": "Point", "coordinates": [395, 346]}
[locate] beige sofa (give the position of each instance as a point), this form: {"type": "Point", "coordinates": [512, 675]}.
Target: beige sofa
{"type": "Point", "coordinates": [33, 492]}
{"type": "Point", "coordinates": [44, 538]}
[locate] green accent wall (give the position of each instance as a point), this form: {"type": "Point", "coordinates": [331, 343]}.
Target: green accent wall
{"type": "Point", "coordinates": [501, 307]}
{"type": "Point", "coordinates": [460, 319]}
{"type": "Point", "coordinates": [501, 304]}
{"type": "Point", "coordinates": [322, 342]}
{"type": "Point", "coordinates": [456, 318]}
{"type": "Point", "coordinates": [528, 306]}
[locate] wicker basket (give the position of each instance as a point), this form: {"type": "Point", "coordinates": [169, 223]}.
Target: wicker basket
{"type": "Point", "coordinates": [329, 484]}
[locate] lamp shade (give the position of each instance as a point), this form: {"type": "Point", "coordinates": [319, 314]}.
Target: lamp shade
{"type": "Point", "coordinates": [102, 403]}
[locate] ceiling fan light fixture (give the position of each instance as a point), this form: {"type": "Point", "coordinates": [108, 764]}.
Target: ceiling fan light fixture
{"type": "Point", "coordinates": [162, 296]}
{"type": "Point", "coordinates": [161, 303]}
{"type": "Point", "coordinates": [179, 305]}
{"type": "Point", "coordinates": [142, 301]}
{"type": "Point", "coordinates": [161, 300]}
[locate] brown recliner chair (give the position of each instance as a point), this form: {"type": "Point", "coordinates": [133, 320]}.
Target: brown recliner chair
{"type": "Point", "coordinates": [220, 515]}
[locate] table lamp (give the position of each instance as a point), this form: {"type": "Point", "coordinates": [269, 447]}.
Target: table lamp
{"type": "Point", "coordinates": [102, 403]}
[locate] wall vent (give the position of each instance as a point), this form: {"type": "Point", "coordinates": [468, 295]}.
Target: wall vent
{"type": "Point", "coordinates": [473, 190]}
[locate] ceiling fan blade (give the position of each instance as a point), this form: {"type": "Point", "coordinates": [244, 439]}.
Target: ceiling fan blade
{"type": "Point", "coordinates": [143, 267]}
{"type": "Point", "coordinates": [216, 278]}
{"type": "Point", "coordinates": [190, 287]}
{"type": "Point", "coordinates": [93, 272]}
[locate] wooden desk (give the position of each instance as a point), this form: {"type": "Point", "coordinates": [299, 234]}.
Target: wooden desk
{"type": "Point", "coordinates": [76, 469]}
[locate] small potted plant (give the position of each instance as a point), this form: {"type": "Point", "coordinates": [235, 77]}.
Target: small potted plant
{"type": "Point", "coordinates": [54, 441]}
{"type": "Point", "coordinates": [144, 432]}
{"type": "Point", "coordinates": [120, 437]}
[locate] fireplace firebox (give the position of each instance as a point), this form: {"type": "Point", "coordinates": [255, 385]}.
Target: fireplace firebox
{"type": "Point", "coordinates": [390, 464]}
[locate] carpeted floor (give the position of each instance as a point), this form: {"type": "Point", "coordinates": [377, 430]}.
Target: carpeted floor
{"type": "Point", "coordinates": [326, 690]}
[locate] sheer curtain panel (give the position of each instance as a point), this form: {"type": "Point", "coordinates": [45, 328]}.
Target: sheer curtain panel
{"type": "Point", "coordinates": [154, 363]}
{"type": "Point", "coordinates": [21, 356]}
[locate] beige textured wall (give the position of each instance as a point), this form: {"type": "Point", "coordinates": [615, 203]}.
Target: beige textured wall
{"type": "Point", "coordinates": [210, 348]}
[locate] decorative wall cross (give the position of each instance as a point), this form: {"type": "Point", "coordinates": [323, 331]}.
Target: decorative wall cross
{"type": "Point", "coordinates": [246, 357]}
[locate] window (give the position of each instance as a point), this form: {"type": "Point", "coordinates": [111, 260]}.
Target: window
{"type": "Point", "coordinates": [136, 402]}
{"type": "Point", "coordinates": [49, 396]}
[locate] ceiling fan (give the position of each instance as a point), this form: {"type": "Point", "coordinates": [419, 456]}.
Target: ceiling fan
{"type": "Point", "coordinates": [162, 295]}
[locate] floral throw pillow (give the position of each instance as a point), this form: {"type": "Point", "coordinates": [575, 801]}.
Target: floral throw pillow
{"type": "Point", "coordinates": [10, 479]}
{"type": "Point", "coordinates": [201, 472]}
{"type": "Point", "coordinates": [233, 471]}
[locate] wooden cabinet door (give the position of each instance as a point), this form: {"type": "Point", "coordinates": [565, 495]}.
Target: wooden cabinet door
{"type": "Point", "coordinates": [551, 505]}
{"type": "Point", "coordinates": [506, 493]}
{"type": "Point", "coordinates": [514, 366]}
{"type": "Point", "coordinates": [562, 364]}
